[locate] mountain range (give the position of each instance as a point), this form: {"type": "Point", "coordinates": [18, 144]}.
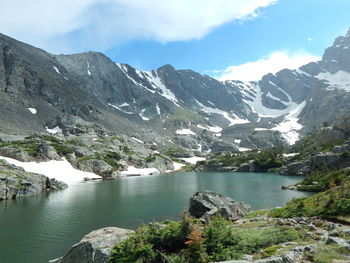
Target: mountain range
{"type": "Point", "coordinates": [88, 92]}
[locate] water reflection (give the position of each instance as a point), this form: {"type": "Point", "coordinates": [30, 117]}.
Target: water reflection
{"type": "Point", "coordinates": [39, 228]}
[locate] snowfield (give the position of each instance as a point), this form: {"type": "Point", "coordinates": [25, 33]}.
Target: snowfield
{"type": "Point", "coordinates": [185, 132]}
{"type": "Point", "coordinates": [133, 171]}
{"type": "Point", "coordinates": [290, 126]}
{"type": "Point", "coordinates": [54, 130]}
{"type": "Point", "coordinates": [32, 110]}
{"type": "Point", "coordinates": [232, 118]}
{"type": "Point", "coordinates": [193, 160]}
{"type": "Point", "coordinates": [60, 170]}
{"type": "Point", "coordinates": [339, 80]}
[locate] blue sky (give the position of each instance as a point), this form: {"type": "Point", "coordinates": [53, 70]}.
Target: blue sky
{"type": "Point", "coordinates": [208, 36]}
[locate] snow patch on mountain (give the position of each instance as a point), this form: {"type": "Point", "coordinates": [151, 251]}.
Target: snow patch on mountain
{"type": "Point", "coordinates": [185, 132]}
{"type": "Point", "coordinates": [261, 129]}
{"type": "Point", "coordinates": [118, 108]}
{"type": "Point", "coordinates": [155, 82]}
{"type": "Point", "coordinates": [269, 95]}
{"type": "Point", "coordinates": [290, 126]}
{"type": "Point", "coordinates": [158, 108]}
{"type": "Point", "coordinates": [54, 130]}
{"type": "Point", "coordinates": [258, 107]}
{"type": "Point", "coordinates": [138, 140]}
{"type": "Point", "coordinates": [232, 118]}
{"type": "Point", "coordinates": [193, 160]}
{"type": "Point", "coordinates": [88, 68]}
{"type": "Point", "coordinates": [301, 72]}
{"type": "Point", "coordinates": [56, 69]}
{"type": "Point", "coordinates": [338, 80]}
{"type": "Point", "coordinates": [133, 171]}
{"type": "Point", "coordinates": [143, 116]}
{"type": "Point", "coordinates": [60, 170]}
{"type": "Point", "coordinates": [159, 86]}
{"type": "Point", "coordinates": [210, 128]}
{"type": "Point", "coordinates": [32, 110]}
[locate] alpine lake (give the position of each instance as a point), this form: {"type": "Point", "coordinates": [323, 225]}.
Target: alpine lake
{"type": "Point", "coordinates": [43, 227]}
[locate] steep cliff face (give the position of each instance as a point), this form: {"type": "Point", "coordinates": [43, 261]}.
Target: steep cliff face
{"type": "Point", "coordinates": [36, 90]}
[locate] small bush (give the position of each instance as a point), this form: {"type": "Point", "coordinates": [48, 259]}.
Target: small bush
{"type": "Point", "coordinates": [62, 150]}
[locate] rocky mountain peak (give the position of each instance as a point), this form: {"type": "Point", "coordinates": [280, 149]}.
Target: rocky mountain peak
{"type": "Point", "coordinates": [337, 57]}
{"type": "Point", "coordinates": [165, 68]}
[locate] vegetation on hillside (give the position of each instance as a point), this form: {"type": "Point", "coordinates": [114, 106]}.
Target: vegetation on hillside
{"type": "Point", "coordinates": [264, 160]}
{"type": "Point", "coordinates": [193, 242]}
{"type": "Point", "coordinates": [319, 181]}
{"type": "Point", "coordinates": [331, 203]}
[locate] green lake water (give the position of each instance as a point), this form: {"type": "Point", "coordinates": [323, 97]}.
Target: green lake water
{"type": "Point", "coordinates": [43, 227]}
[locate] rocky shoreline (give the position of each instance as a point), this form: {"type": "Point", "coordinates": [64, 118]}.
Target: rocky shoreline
{"type": "Point", "coordinates": [17, 183]}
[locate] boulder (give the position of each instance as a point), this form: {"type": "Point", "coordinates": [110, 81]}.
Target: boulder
{"type": "Point", "coordinates": [337, 240]}
{"type": "Point", "coordinates": [48, 152]}
{"type": "Point", "coordinates": [207, 204]}
{"type": "Point", "coordinates": [296, 168]}
{"type": "Point", "coordinates": [96, 166]}
{"type": "Point", "coordinates": [95, 247]}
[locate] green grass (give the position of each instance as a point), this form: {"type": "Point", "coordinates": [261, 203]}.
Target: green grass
{"type": "Point", "coordinates": [327, 254]}
{"type": "Point", "coordinates": [270, 251]}
{"type": "Point", "coordinates": [257, 213]}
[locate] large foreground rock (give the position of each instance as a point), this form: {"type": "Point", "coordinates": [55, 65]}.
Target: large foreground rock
{"type": "Point", "coordinates": [207, 204]}
{"type": "Point", "coordinates": [95, 247]}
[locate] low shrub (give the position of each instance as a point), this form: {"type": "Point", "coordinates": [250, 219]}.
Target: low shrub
{"type": "Point", "coordinates": [191, 242]}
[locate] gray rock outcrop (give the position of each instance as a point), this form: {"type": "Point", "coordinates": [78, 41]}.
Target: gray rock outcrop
{"type": "Point", "coordinates": [99, 167]}
{"type": "Point", "coordinates": [95, 247]}
{"type": "Point", "coordinates": [323, 161]}
{"type": "Point", "coordinates": [296, 168]}
{"type": "Point", "coordinates": [207, 204]}
{"type": "Point", "coordinates": [17, 183]}
{"type": "Point", "coordinates": [247, 167]}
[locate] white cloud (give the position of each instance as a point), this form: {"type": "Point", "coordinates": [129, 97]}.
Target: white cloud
{"type": "Point", "coordinates": [103, 23]}
{"type": "Point", "coordinates": [272, 63]}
